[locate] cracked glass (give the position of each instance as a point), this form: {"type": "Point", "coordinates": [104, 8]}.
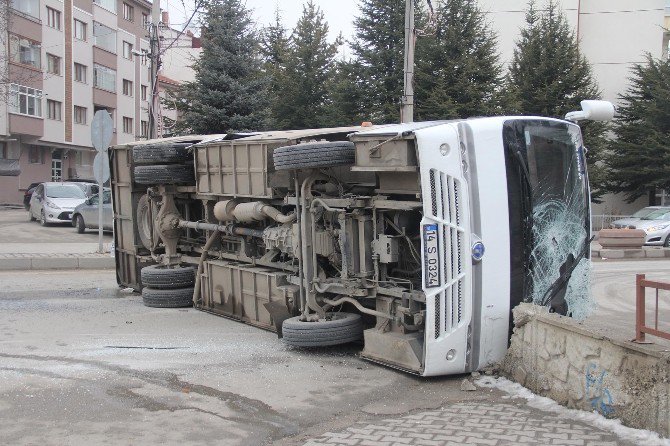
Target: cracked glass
{"type": "Point", "coordinates": [556, 215]}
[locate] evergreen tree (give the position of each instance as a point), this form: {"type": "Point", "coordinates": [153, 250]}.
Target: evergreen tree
{"type": "Point", "coordinates": [639, 157]}
{"type": "Point", "coordinates": [458, 73]}
{"type": "Point", "coordinates": [274, 49]}
{"type": "Point", "coordinates": [549, 76]}
{"type": "Point", "coordinates": [346, 96]}
{"type": "Point", "coordinates": [228, 92]}
{"type": "Point", "coordinates": [379, 47]}
{"type": "Point", "coordinates": [309, 67]}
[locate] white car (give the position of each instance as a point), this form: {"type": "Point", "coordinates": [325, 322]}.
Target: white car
{"type": "Point", "coordinates": [628, 222]}
{"type": "Point", "coordinates": [656, 226]}
{"type": "Point", "coordinates": [55, 202]}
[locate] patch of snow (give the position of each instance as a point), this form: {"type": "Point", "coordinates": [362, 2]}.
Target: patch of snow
{"type": "Point", "coordinates": [637, 436]}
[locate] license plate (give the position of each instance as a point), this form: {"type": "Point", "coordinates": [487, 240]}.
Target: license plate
{"type": "Point", "coordinates": [431, 256]}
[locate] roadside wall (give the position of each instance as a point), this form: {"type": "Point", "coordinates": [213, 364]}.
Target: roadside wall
{"type": "Point", "coordinates": [559, 358]}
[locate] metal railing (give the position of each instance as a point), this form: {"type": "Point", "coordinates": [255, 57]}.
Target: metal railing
{"type": "Point", "coordinates": [641, 283]}
{"type": "Point", "coordinates": [603, 221]}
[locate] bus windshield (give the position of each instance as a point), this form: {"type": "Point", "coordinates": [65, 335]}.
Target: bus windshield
{"type": "Point", "coordinates": [556, 213]}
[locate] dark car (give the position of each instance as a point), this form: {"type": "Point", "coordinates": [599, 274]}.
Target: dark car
{"type": "Point", "coordinates": [29, 193]}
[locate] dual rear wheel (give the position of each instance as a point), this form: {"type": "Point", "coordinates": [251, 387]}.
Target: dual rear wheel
{"type": "Point", "coordinates": [168, 286]}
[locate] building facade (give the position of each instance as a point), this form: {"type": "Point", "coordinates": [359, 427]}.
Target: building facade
{"type": "Point", "coordinates": [65, 60]}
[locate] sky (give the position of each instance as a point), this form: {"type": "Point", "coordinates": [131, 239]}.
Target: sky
{"type": "Point", "coordinates": [339, 13]}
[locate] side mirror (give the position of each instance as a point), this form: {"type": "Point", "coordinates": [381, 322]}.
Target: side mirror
{"type": "Point", "coordinates": [593, 111]}
{"type": "Point", "coordinates": [88, 201]}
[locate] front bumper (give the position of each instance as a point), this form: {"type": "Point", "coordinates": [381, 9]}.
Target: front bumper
{"type": "Point", "coordinates": [656, 238]}
{"type": "Point", "coordinates": [58, 215]}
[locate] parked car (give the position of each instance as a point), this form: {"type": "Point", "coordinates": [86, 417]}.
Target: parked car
{"type": "Point", "coordinates": [55, 202]}
{"type": "Point", "coordinates": [90, 188]}
{"type": "Point", "coordinates": [624, 223]}
{"type": "Point", "coordinates": [657, 227]}
{"type": "Point", "coordinates": [29, 193]}
{"type": "Point", "coordinates": [86, 215]}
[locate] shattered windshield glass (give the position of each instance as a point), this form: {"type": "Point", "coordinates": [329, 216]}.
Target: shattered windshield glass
{"type": "Point", "coordinates": [557, 268]}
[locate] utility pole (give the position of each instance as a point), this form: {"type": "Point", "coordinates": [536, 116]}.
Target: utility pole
{"type": "Point", "coordinates": [407, 101]}
{"type": "Point", "coordinates": [155, 61]}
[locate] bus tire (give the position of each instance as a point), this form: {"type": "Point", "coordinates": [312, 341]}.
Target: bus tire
{"type": "Point", "coordinates": [164, 277]}
{"type": "Point", "coordinates": [314, 155]}
{"type": "Point", "coordinates": [165, 174]}
{"type": "Point", "coordinates": [173, 298]}
{"type": "Point", "coordinates": [340, 329]}
{"type": "Point", "coordinates": [162, 153]}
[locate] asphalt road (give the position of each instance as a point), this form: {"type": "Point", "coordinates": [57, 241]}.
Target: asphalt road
{"type": "Point", "coordinates": [83, 363]}
{"type": "Point", "coordinates": [614, 290]}
{"type": "Point", "coordinates": [17, 234]}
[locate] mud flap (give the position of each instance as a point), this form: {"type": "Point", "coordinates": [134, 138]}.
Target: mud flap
{"type": "Point", "coordinates": [279, 314]}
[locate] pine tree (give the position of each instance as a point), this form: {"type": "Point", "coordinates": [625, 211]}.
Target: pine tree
{"type": "Point", "coordinates": [379, 47]}
{"type": "Point", "coordinates": [346, 96]}
{"type": "Point", "coordinates": [639, 157]}
{"type": "Point", "coordinates": [228, 92]}
{"type": "Point", "coordinates": [309, 68]}
{"type": "Point", "coordinates": [274, 49]}
{"type": "Point", "coordinates": [458, 73]}
{"type": "Point", "coordinates": [549, 76]}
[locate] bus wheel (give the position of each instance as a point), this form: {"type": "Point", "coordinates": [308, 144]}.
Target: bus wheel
{"type": "Point", "coordinates": [314, 155]}
{"type": "Point", "coordinates": [173, 298]}
{"type": "Point", "coordinates": [337, 328]}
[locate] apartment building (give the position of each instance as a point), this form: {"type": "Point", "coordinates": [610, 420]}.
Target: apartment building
{"type": "Point", "coordinates": [65, 60]}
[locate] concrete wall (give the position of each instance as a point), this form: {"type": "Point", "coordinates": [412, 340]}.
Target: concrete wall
{"type": "Point", "coordinates": [559, 358]}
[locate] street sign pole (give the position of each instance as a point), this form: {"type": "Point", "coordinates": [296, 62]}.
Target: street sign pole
{"type": "Point", "coordinates": [101, 199]}
{"type": "Point", "coordinates": [102, 128]}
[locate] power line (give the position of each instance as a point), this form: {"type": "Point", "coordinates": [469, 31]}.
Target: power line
{"type": "Point", "coordinates": [188, 22]}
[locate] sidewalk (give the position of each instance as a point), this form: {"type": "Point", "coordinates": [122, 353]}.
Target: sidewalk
{"type": "Point", "coordinates": [41, 256]}
{"type": "Point", "coordinates": [25, 245]}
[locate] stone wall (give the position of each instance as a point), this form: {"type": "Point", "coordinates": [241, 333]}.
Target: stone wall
{"type": "Point", "coordinates": [559, 358]}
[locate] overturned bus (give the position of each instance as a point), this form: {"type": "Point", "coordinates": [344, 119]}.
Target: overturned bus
{"type": "Point", "coordinates": [416, 239]}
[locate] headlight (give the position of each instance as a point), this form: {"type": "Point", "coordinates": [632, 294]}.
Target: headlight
{"type": "Point", "coordinates": [51, 204]}
{"type": "Point", "coordinates": [656, 228]}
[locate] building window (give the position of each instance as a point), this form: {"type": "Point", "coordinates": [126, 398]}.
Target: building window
{"type": "Point", "coordinates": [35, 155]}
{"type": "Point", "coordinates": [144, 92]}
{"type": "Point", "coordinates": [3, 150]}
{"type": "Point", "coordinates": [79, 72]}
{"type": "Point", "coordinates": [24, 51]}
{"type": "Point", "coordinates": [145, 19]}
{"type": "Point", "coordinates": [104, 78]}
{"type": "Point", "coordinates": [128, 50]}
{"type": "Point", "coordinates": [79, 30]}
{"type": "Point", "coordinates": [144, 128]}
{"type": "Point", "coordinates": [25, 100]}
{"type": "Point", "coordinates": [127, 87]}
{"type": "Point", "coordinates": [54, 110]}
{"type": "Point", "coordinates": [53, 18]}
{"type": "Point", "coordinates": [128, 12]}
{"type": "Point", "coordinates": [127, 125]}
{"type": "Point", "coordinates": [30, 7]}
{"type": "Point", "coordinates": [107, 4]}
{"type": "Point", "coordinates": [104, 37]}
{"type": "Point", "coordinates": [53, 64]}
{"type": "Point", "coordinates": [79, 115]}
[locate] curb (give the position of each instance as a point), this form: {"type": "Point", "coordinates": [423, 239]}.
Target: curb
{"type": "Point", "coordinates": [28, 263]}
{"type": "Point", "coordinates": [629, 253]}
